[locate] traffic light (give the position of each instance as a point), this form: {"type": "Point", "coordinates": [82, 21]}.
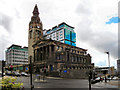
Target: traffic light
{"type": "Point", "coordinates": [3, 63]}
{"type": "Point", "coordinates": [11, 67]}
{"type": "Point", "coordinates": [90, 75]}
{"type": "Point", "coordinates": [30, 68]}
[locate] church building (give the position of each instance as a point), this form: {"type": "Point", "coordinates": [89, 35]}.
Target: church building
{"type": "Point", "coordinates": [55, 57]}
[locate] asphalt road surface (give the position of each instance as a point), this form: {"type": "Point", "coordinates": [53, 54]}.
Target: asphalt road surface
{"type": "Point", "coordinates": [63, 83]}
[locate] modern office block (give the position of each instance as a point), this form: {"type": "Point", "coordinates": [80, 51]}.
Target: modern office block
{"type": "Point", "coordinates": [63, 33]}
{"type": "Point", "coordinates": [16, 55]}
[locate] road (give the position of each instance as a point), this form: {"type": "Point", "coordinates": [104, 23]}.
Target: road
{"type": "Point", "coordinates": [63, 83]}
{"type": "Point", "coordinates": [55, 83]}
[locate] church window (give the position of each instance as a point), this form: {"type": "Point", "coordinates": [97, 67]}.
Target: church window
{"type": "Point", "coordinates": [30, 34]}
{"type": "Point", "coordinates": [38, 33]}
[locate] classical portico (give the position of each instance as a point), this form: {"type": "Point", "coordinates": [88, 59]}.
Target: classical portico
{"type": "Point", "coordinates": [56, 57]}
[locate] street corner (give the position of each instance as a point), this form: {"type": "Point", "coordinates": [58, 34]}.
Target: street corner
{"type": "Point", "coordinates": [54, 78]}
{"type": "Point", "coordinates": [40, 80]}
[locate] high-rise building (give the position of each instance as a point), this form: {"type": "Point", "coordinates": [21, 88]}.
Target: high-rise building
{"type": "Point", "coordinates": [16, 55]}
{"type": "Point", "coordinates": [63, 33]}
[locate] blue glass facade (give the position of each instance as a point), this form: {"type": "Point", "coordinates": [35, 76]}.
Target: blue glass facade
{"type": "Point", "coordinates": [73, 36]}
{"type": "Point", "coordinates": [68, 42]}
{"type": "Point", "coordinates": [70, 36]}
{"type": "Point", "coordinates": [73, 44]}
{"type": "Point", "coordinates": [66, 34]}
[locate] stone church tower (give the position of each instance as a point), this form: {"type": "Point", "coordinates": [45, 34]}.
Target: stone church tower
{"type": "Point", "coordinates": [35, 32]}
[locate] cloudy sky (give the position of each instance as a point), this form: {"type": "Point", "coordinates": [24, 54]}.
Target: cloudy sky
{"type": "Point", "coordinates": [95, 22]}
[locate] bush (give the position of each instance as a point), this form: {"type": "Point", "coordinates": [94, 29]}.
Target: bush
{"type": "Point", "coordinates": [8, 83]}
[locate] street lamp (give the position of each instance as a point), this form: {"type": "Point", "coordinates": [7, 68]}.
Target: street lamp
{"type": "Point", "coordinates": [108, 61]}
{"type": "Point", "coordinates": [31, 70]}
{"type": "Point", "coordinates": [3, 65]}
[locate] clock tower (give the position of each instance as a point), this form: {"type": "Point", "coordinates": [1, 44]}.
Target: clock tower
{"type": "Point", "coordinates": [35, 32]}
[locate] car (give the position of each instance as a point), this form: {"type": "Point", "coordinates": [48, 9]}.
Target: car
{"type": "Point", "coordinates": [115, 78]}
{"type": "Point", "coordinates": [24, 74]}
{"type": "Point", "coordinates": [1, 74]}
{"type": "Point", "coordinates": [9, 73]}
{"type": "Point", "coordinates": [93, 81]}
{"type": "Point", "coordinates": [16, 74]}
{"type": "Point", "coordinates": [96, 80]}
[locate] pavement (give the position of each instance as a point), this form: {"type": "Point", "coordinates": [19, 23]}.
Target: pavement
{"type": "Point", "coordinates": [114, 83]}
{"type": "Point", "coordinates": [54, 77]}
{"type": "Point", "coordinates": [109, 84]}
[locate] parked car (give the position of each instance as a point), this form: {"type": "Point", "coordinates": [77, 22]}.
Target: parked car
{"type": "Point", "coordinates": [115, 78]}
{"type": "Point", "coordinates": [9, 73]}
{"type": "Point", "coordinates": [1, 74]}
{"type": "Point", "coordinates": [16, 74]}
{"type": "Point", "coordinates": [93, 81]}
{"type": "Point", "coordinates": [96, 80]}
{"type": "Point", "coordinates": [24, 74]}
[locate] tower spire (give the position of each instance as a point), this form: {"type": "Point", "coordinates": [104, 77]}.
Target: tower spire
{"type": "Point", "coordinates": [35, 11]}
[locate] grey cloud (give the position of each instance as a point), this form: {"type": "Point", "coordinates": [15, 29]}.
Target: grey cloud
{"type": "Point", "coordinates": [17, 13]}
{"type": "Point", "coordinates": [83, 8]}
{"type": "Point", "coordinates": [4, 42]}
{"type": "Point", "coordinates": [101, 41]}
{"type": "Point", "coordinates": [5, 21]}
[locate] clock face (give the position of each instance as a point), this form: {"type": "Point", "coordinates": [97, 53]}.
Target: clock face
{"type": "Point", "coordinates": [30, 26]}
{"type": "Point", "coordinates": [38, 26]}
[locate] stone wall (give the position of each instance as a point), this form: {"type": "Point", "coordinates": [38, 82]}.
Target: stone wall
{"type": "Point", "coordinates": [81, 74]}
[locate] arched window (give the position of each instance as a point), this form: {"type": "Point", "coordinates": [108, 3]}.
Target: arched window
{"type": "Point", "coordinates": [30, 33]}
{"type": "Point", "coordinates": [38, 33]}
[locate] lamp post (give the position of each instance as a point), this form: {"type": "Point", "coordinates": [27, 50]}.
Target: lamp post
{"type": "Point", "coordinates": [3, 65]}
{"type": "Point", "coordinates": [108, 61]}
{"type": "Point", "coordinates": [31, 70]}
{"type": "Point", "coordinates": [90, 77]}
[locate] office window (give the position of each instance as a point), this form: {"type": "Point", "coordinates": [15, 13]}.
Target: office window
{"type": "Point", "coordinates": [73, 36]}
{"type": "Point", "coordinates": [60, 34]}
{"type": "Point", "coordinates": [67, 34]}
{"type": "Point", "coordinates": [61, 31]}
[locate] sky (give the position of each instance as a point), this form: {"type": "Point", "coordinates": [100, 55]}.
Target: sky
{"type": "Point", "coordinates": [95, 22]}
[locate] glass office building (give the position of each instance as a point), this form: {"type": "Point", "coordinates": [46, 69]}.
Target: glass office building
{"type": "Point", "coordinates": [63, 33]}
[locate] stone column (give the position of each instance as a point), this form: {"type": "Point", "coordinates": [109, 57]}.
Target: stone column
{"type": "Point", "coordinates": [50, 51]}
{"type": "Point", "coordinates": [39, 55]}
{"type": "Point", "coordinates": [34, 55]}
{"type": "Point", "coordinates": [54, 52]}
{"type": "Point", "coordinates": [42, 53]}
{"type": "Point", "coordinates": [46, 55]}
